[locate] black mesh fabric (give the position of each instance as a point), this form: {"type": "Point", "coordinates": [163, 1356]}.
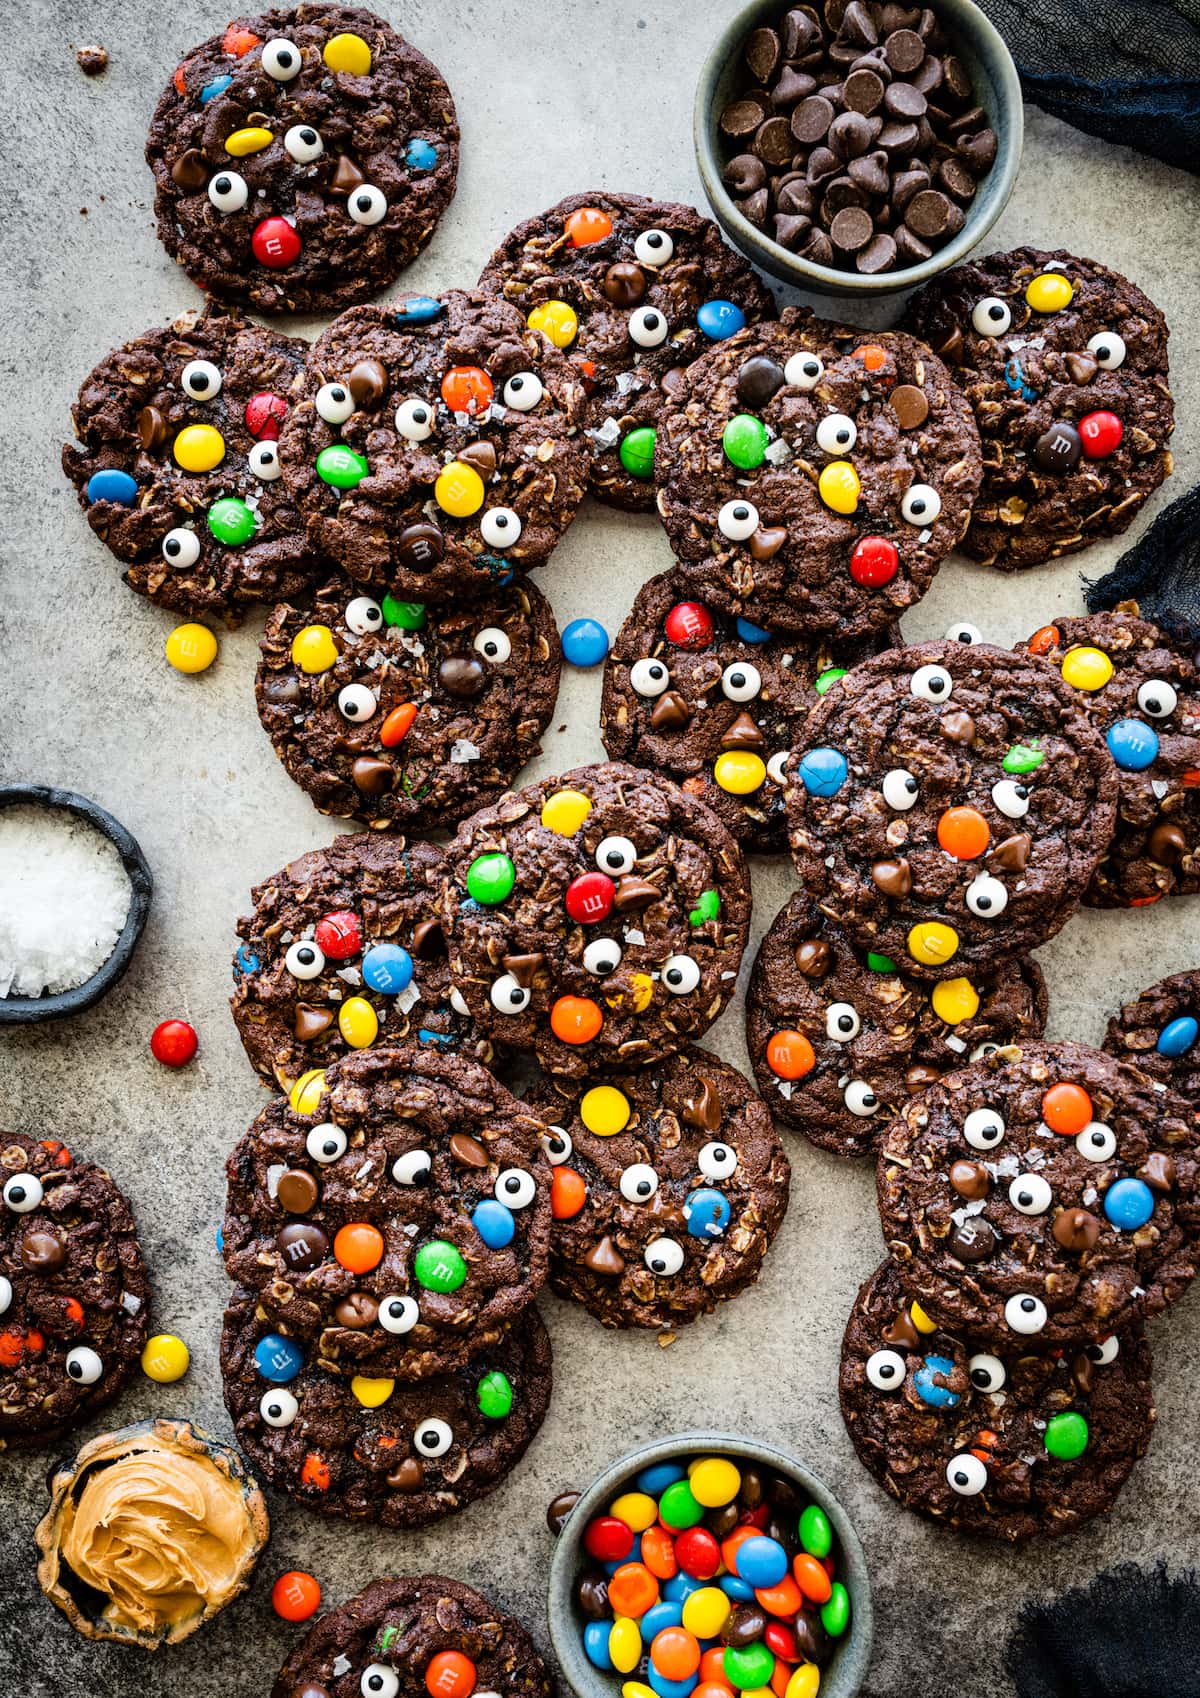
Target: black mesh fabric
{"type": "Point", "coordinates": [1132, 1633]}
{"type": "Point", "coordinates": [1125, 70]}
{"type": "Point", "coordinates": [1161, 572]}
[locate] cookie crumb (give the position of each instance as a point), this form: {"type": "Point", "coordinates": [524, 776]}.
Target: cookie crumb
{"type": "Point", "coordinates": [91, 60]}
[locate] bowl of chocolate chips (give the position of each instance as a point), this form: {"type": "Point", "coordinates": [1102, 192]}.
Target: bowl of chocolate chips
{"type": "Point", "coordinates": [858, 147]}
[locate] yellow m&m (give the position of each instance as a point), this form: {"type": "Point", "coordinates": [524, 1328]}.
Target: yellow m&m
{"type": "Point", "coordinates": [1049, 292]}
{"type": "Point", "coordinates": [706, 1611]}
{"type": "Point", "coordinates": [625, 1644]}
{"type": "Point", "coordinates": [838, 486]}
{"type": "Point", "coordinates": [191, 648]}
{"type": "Point", "coordinates": [198, 448]}
{"type": "Point", "coordinates": [165, 1358]}
{"type": "Point", "coordinates": [1086, 669]}
{"type": "Point", "coordinates": [604, 1111]}
{"type": "Point", "coordinates": [458, 490]}
{"type": "Point", "coordinates": [739, 771]}
{"type": "Point", "coordinates": [637, 1510]}
{"type": "Point", "coordinates": [306, 1093]}
{"type": "Point", "coordinates": [358, 1022]}
{"type": "Point", "coordinates": [932, 943]}
{"type": "Point", "coordinates": [556, 321]}
{"type": "Point", "coordinates": [642, 986]}
{"type": "Point", "coordinates": [313, 649]}
{"type": "Point", "coordinates": [565, 811]}
{"type": "Point", "coordinates": [804, 1682]}
{"type": "Point", "coordinates": [955, 1000]}
{"type": "Point", "coordinates": [920, 1319]}
{"type": "Point", "coordinates": [372, 1394]}
{"type": "Point", "coordinates": [714, 1481]}
{"type": "Point", "coordinates": [347, 53]}
{"type": "Point", "coordinates": [250, 140]}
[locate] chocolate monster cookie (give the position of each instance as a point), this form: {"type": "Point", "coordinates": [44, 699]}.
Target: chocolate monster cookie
{"type": "Point", "coordinates": [1046, 1192]}
{"type": "Point", "coordinates": [342, 952]}
{"type": "Point", "coordinates": [715, 703]}
{"type": "Point", "coordinates": [948, 804]}
{"type": "Point", "coordinates": [177, 465]}
{"type": "Point", "coordinates": [669, 1186]}
{"type": "Point", "coordinates": [812, 477]}
{"type": "Point", "coordinates": [434, 447]}
{"type": "Point", "coordinates": [302, 158]}
{"type": "Point", "coordinates": [1159, 1033]}
{"type": "Point", "coordinates": [394, 1214]}
{"type": "Point", "coordinates": [1064, 364]}
{"type": "Point", "coordinates": [839, 1040]}
{"type": "Point", "coordinates": [406, 715]}
{"type": "Point", "coordinates": [1010, 1446]}
{"type": "Point", "coordinates": [73, 1290]}
{"type": "Point", "coordinates": [397, 1635]}
{"type": "Point", "coordinates": [634, 290]}
{"type": "Point", "coordinates": [1142, 690]}
{"type": "Point", "coordinates": [598, 919]}
{"type": "Point", "coordinates": [399, 1452]}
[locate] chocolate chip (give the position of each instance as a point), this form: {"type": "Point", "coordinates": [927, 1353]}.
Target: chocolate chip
{"type": "Point", "coordinates": [793, 85]}
{"type": "Point", "coordinates": [703, 1109]}
{"type": "Point", "coordinates": [910, 406]}
{"type": "Point", "coordinates": [928, 75]}
{"type": "Point", "coordinates": [979, 151]}
{"type": "Point", "coordinates": [970, 1179]}
{"type": "Point", "coordinates": [905, 102]}
{"type": "Point", "coordinates": [368, 383]}
{"type": "Point", "coordinates": [897, 138]}
{"type": "Point", "coordinates": [742, 117]}
{"type": "Point", "coordinates": [743, 733]}
{"type": "Point", "coordinates": [878, 255]}
{"type": "Point", "coordinates": [1012, 854]}
{"type": "Point", "coordinates": [670, 712]}
{"type": "Point", "coordinates": [811, 120]}
{"type": "Point", "coordinates": [524, 967]}
{"type": "Point", "coordinates": [1081, 368]}
{"type": "Point", "coordinates": [851, 229]}
{"type": "Point", "coordinates": [929, 213]}
{"type": "Point", "coordinates": [912, 249]}
{"type": "Point", "coordinates": [843, 191]}
{"type": "Point", "coordinates": [1158, 1171]}
{"type": "Point", "coordinates": [189, 171]}
{"type": "Point", "coordinates": [902, 1332]}
{"type": "Point", "coordinates": [819, 249]}
{"type": "Point", "coordinates": [849, 135]}
{"type": "Point", "coordinates": [773, 142]}
{"type": "Point", "coordinates": [822, 164]}
{"type": "Point", "coordinates": [634, 893]}
{"type": "Point", "coordinates": [297, 1191]}
{"type": "Point", "coordinates": [791, 229]}
{"type": "Point", "coordinates": [763, 51]}
{"type": "Point", "coordinates": [956, 179]}
{"type": "Point", "coordinates": [958, 727]}
{"type": "Point", "coordinates": [862, 91]}
{"type": "Point", "coordinates": [755, 207]}
{"type": "Point", "coordinates": [744, 173]}
{"type": "Point", "coordinates": [893, 877]}
{"type": "Point", "coordinates": [468, 1151]}
{"type": "Point", "coordinates": [870, 173]}
{"type": "Point", "coordinates": [605, 1259]}
{"type": "Point", "coordinates": [1167, 845]}
{"type": "Point", "coordinates": [428, 940]}
{"type": "Point", "coordinates": [905, 50]}
{"type": "Point", "coordinates": [800, 31]}
{"type": "Point", "coordinates": [151, 429]}
{"type": "Point", "coordinates": [958, 80]}
{"type": "Point", "coordinates": [1076, 1229]}
{"type": "Point", "coordinates": [309, 1023]}
{"type": "Point", "coordinates": [480, 456]}
{"type": "Point", "coordinates": [42, 1251]}
{"type": "Point", "coordinates": [906, 184]}
{"type": "Point", "coordinates": [372, 776]}
{"type": "Point", "coordinates": [346, 177]}
{"type": "Point", "coordinates": [767, 541]}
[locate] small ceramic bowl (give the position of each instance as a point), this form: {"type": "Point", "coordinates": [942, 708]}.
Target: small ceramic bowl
{"type": "Point", "coordinates": [980, 47]}
{"type": "Point", "coordinates": [845, 1672]}
{"type": "Point", "coordinates": [28, 1010]}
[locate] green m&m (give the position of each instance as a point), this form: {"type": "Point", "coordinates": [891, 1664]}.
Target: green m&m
{"type": "Point", "coordinates": [678, 1508]}
{"type": "Point", "coordinates": [406, 615]}
{"type": "Point", "coordinates": [816, 1535]}
{"type": "Point", "coordinates": [1022, 758]}
{"type": "Point", "coordinates": [828, 678]}
{"type": "Point", "coordinates": [880, 963]}
{"type": "Point", "coordinates": [439, 1266]}
{"type": "Point", "coordinates": [1066, 1435]}
{"type": "Point", "coordinates": [835, 1611]}
{"type": "Point", "coordinates": [342, 467]}
{"type": "Point", "coordinates": [490, 878]}
{"type": "Point", "coordinates": [748, 1667]}
{"type": "Point", "coordinates": [495, 1395]}
{"type": "Point", "coordinates": [231, 521]}
{"type": "Point", "coordinates": [745, 441]}
{"type": "Point", "coordinates": [637, 452]}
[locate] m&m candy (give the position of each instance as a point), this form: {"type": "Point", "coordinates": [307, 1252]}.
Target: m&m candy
{"type": "Point", "coordinates": [689, 625]}
{"type": "Point", "coordinates": [165, 1358]}
{"type": "Point", "coordinates": [295, 1596]}
{"type": "Point", "coordinates": [276, 243]}
{"type": "Point", "coordinates": [191, 648]}
{"type": "Point", "coordinates": [584, 642]}
{"type": "Point", "coordinates": [174, 1043]}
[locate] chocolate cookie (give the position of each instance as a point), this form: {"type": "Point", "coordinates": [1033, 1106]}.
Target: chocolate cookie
{"type": "Point", "coordinates": [391, 1636]}
{"type": "Point", "coordinates": [1141, 688]}
{"type": "Point", "coordinates": [396, 1451]}
{"type": "Point", "coordinates": [811, 478]}
{"type": "Point", "coordinates": [715, 703]}
{"type": "Point", "coordinates": [177, 464]}
{"type": "Point", "coordinates": [434, 447]}
{"type": "Point", "coordinates": [1064, 364]}
{"type": "Point", "coordinates": [1011, 1446]}
{"type": "Point", "coordinates": [73, 1290]}
{"type": "Point", "coordinates": [947, 805]}
{"type": "Point", "coordinates": [1158, 1033]}
{"type": "Point", "coordinates": [669, 1186]}
{"type": "Point", "coordinates": [1046, 1192]}
{"type": "Point", "coordinates": [342, 952]}
{"type": "Point", "coordinates": [840, 1041]}
{"type": "Point", "coordinates": [398, 1219]}
{"type": "Point", "coordinates": [405, 715]}
{"type": "Point", "coordinates": [598, 919]}
{"type": "Point", "coordinates": [634, 290]}
{"type": "Point", "coordinates": [302, 158]}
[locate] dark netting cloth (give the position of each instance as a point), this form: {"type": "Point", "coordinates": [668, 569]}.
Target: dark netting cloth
{"type": "Point", "coordinates": [1161, 572]}
{"type": "Point", "coordinates": [1125, 70]}
{"type": "Point", "coordinates": [1132, 1633]}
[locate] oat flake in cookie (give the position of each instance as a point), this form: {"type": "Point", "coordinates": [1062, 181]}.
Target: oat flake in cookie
{"type": "Point", "coordinates": [1159, 1033]}
{"type": "Point", "coordinates": [434, 450]}
{"type": "Point", "coordinates": [1046, 1193]}
{"type": "Point", "coordinates": [634, 290]}
{"type": "Point", "coordinates": [948, 804]}
{"type": "Point", "coordinates": [812, 476]}
{"type": "Point", "coordinates": [597, 918]}
{"type": "Point", "coordinates": [1141, 688]}
{"type": "Point", "coordinates": [176, 463]}
{"type": "Point", "coordinates": [1003, 1444]}
{"type": "Point", "coordinates": [840, 1041]}
{"type": "Point", "coordinates": [407, 715]}
{"type": "Point", "coordinates": [399, 1219]}
{"type": "Point", "coordinates": [302, 158]}
{"type": "Point", "coordinates": [73, 1290]}
{"type": "Point", "coordinates": [385, 1641]}
{"type": "Point", "coordinates": [374, 1447]}
{"type": "Point", "coordinates": [1064, 364]}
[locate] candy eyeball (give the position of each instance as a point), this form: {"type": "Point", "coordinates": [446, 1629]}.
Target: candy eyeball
{"type": "Point", "coordinates": [6, 1294]}
{"type": "Point", "coordinates": [515, 1188]}
{"type": "Point", "coordinates": [367, 204]}
{"type": "Point", "coordinates": [281, 59]}
{"type": "Point", "coordinates": [653, 247]}
{"type": "Point", "coordinates": [181, 547]}
{"type": "Point", "coordinates": [987, 1372]}
{"type": "Point", "coordinates": [639, 1182]}
{"type": "Point", "coordinates": [962, 632]}
{"type": "Point", "coordinates": [860, 1099]}
{"type": "Point", "coordinates": [398, 1314]}
{"type": "Point", "coordinates": [356, 703]}
{"type": "Point", "coordinates": [22, 1193]}
{"type": "Point", "coordinates": [493, 644]}
{"type": "Point", "coordinates": [965, 1474]}
{"type": "Point", "coordinates": [303, 144]}
{"type": "Point", "coordinates": [432, 1437]}
{"type": "Point", "coordinates": [334, 402]}
{"type": "Point", "coordinates": [263, 461]}
{"type": "Point", "coordinates": [648, 327]}
{"type": "Point", "coordinates": [717, 1160]}
{"type": "Point", "coordinates": [326, 1143]}
{"type": "Point", "coordinates": [305, 959]}
{"type": "Point", "coordinates": [459, 1003]}
{"type": "Point", "coordinates": [664, 1257]}
{"type": "Point", "coordinates": [836, 434]}
{"type": "Point", "coordinates": [1157, 698]}
{"type": "Point", "coordinates": [1025, 1314]}
{"type": "Point", "coordinates": [980, 1050]}
{"type": "Point", "coordinates": [414, 1167]}
{"type": "Point", "coordinates": [364, 616]}
{"type": "Point", "coordinates": [885, 1370]}
{"type": "Point", "coordinates": [523, 391]}
{"type": "Point", "coordinates": [500, 527]}
{"type": "Point", "coordinates": [1011, 798]}
{"type": "Point", "coordinates": [556, 1145]}
{"type": "Point", "coordinates": [602, 957]}
{"type": "Point", "coordinates": [616, 855]}
{"type": "Point", "coordinates": [900, 789]}
{"type": "Point", "coordinates": [200, 380]}
{"type": "Point", "coordinates": [777, 767]}
{"type": "Point", "coordinates": [508, 997]}
{"type": "Point", "coordinates": [649, 677]}
{"type": "Point", "coordinates": [741, 682]}
{"type": "Point", "coordinates": [738, 520]}
{"type": "Point", "coordinates": [1104, 1352]}
{"type": "Point", "coordinates": [1097, 1142]}
{"type": "Point", "coordinates": [681, 975]}
{"type": "Point", "coordinates": [991, 316]}
{"type": "Point", "coordinates": [1109, 350]}
{"type": "Point", "coordinates": [379, 1681]}
{"type": "Point", "coordinates": [228, 192]}
{"type": "Point", "coordinates": [842, 1022]}
{"type": "Point", "coordinates": [1030, 1193]}
{"type": "Point", "coordinates": [983, 1128]}
{"type": "Point", "coordinates": [414, 419]}
{"type": "Point", "coordinates": [931, 683]}
{"type": "Point", "coordinates": [83, 1366]}
{"type": "Point", "coordinates": [803, 371]}
{"type": "Point", "coordinates": [921, 504]}
{"type": "Point", "coordinates": [986, 897]}
{"type": "Point", "coordinates": [278, 1407]}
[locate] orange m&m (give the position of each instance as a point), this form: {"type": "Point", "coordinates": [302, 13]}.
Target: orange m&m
{"type": "Point", "coordinates": [712, 1669]}
{"type": "Point", "coordinates": [359, 1247]}
{"type": "Point", "coordinates": [784, 1598]}
{"type": "Point", "coordinates": [1067, 1109]}
{"type": "Point", "coordinates": [1044, 639]}
{"type": "Point", "coordinates": [15, 1342]}
{"type": "Point", "coordinates": [397, 725]}
{"type": "Point", "coordinates": [632, 1589]}
{"type": "Point", "coordinates": [587, 224]}
{"type": "Point", "coordinates": [568, 1194]}
{"type": "Point", "coordinates": [295, 1596]}
{"type": "Point", "coordinates": [871, 355]}
{"type": "Point", "coordinates": [675, 1653]}
{"type": "Point", "coordinates": [238, 42]}
{"type": "Point", "coordinates": [448, 1674]}
{"type": "Point", "coordinates": [790, 1055]}
{"type": "Point", "coordinates": [314, 1471]}
{"type": "Point", "coordinates": [467, 389]}
{"type": "Point", "coordinates": [812, 1578]}
{"type": "Point", "coordinates": [575, 1019]}
{"type": "Point", "coordinates": [657, 1547]}
{"type": "Point", "coordinates": [963, 833]}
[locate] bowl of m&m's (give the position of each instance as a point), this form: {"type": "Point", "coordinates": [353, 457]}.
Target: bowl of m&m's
{"type": "Point", "coordinates": [708, 1566]}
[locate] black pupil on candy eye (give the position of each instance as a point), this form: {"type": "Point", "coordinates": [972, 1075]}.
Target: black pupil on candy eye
{"type": "Point", "coordinates": [644, 1187]}
{"type": "Point", "coordinates": [329, 1148]}
{"type": "Point", "coordinates": [983, 902]}
{"type": "Point", "coordinates": [980, 1377]}
{"type": "Point", "coordinates": [937, 686]}
{"type": "Point", "coordinates": [283, 58]}
{"type": "Point", "coordinates": [336, 394]}
{"type": "Point", "coordinates": [869, 1099]}
{"type": "Point", "coordinates": [222, 185]}
{"type": "Point", "coordinates": [741, 512]}
{"type": "Point", "coordinates": [512, 1186]}
{"type": "Point", "coordinates": [960, 1479]}
{"type": "Point", "coordinates": [654, 241]}
{"type": "Point", "coordinates": [845, 1022]}
{"type": "Point", "coordinates": [364, 203]}
{"type": "Point", "coordinates": [614, 857]}
{"type": "Point", "coordinates": [843, 435]}
{"type": "Point", "coordinates": [1153, 705]}
{"type": "Point", "coordinates": [420, 415]}
{"type": "Point", "coordinates": [810, 368]}
{"type": "Point", "coordinates": [1024, 1198]}
{"type": "Point", "coordinates": [910, 784]}
{"type": "Point", "coordinates": [917, 506]}
{"type": "Point", "coordinates": [887, 1371]}
{"type": "Point", "coordinates": [651, 321]}
{"type": "Point", "coordinates": [515, 997]}
{"type": "Point", "coordinates": [996, 312]}
{"type": "Point", "coordinates": [738, 680]}
{"type": "Point", "coordinates": [500, 521]}
{"type": "Point", "coordinates": [1028, 1304]}
{"type": "Point", "coordinates": [308, 137]}
{"type": "Point", "coordinates": [307, 957]}
{"type": "Point", "coordinates": [173, 547]}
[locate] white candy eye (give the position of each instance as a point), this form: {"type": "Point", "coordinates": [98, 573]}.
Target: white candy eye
{"type": "Point", "coordinates": [557, 1145]}
{"type": "Point", "coordinates": [414, 419]}
{"type": "Point", "coordinates": [281, 59]}
{"type": "Point", "coordinates": [379, 1681]}
{"type": "Point", "coordinates": [983, 1128]}
{"type": "Point", "coordinates": [860, 1099]}
{"type": "Point", "coordinates": [987, 1372]}
{"type": "Point", "coordinates": [837, 434]}
{"type": "Point", "coordinates": [278, 1407]}
{"type": "Point", "coordinates": [961, 632]}
{"type": "Point", "coordinates": [493, 644]}
{"type": "Point", "coordinates": [1025, 1314]}
{"type": "Point", "coordinates": [398, 1314]}
{"type": "Point", "coordinates": [356, 703]}
{"type": "Point", "coordinates": [616, 855]}
{"type": "Point", "coordinates": [458, 1002]}
{"type": "Point", "coordinates": [6, 1295]}
{"type": "Point", "coordinates": [921, 504]}
{"type": "Point", "coordinates": [432, 1437]}
{"type": "Point", "coordinates": [228, 192]}
{"type": "Point", "coordinates": [717, 1161]}
{"type": "Point", "coordinates": [83, 1366]}
{"type": "Point", "coordinates": [1011, 798]}
{"type": "Point", "coordinates": [1097, 1142]}
{"type": "Point", "coordinates": [741, 682]}
{"type": "Point", "coordinates": [1030, 1193]}
{"type": "Point", "coordinates": [200, 379]}
{"type": "Point", "coordinates": [367, 204]}
{"type": "Point", "coordinates": [900, 789]}
{"type": "Point", "coordinates": [991, 316]}
{"type": "Point", "coordinates": [639, 1183]}
{"type": "Point", "coordinates": [664, 1257]}
{"type": "Point", "coordinates": [653, 247]}
{"type": "Point", "coordinates": [649, 677]}
{"type": "Point", "coordinates": [986, 897]}
{"type": "Point", "coordinates": [326, 1143]}
{"type": "Point", "coordinates": [23, 1192]}
{"type": "Point", "coordinates": [777, 767]}
{"type": "Point", "coordinates": [965, 1474]}
{"type": "Point", "coordinates": [931, 683]}
{"type": "Point", "coordinates": [515, 1188]}
{"type": "Point", "coordinates": [508, 997]}
{"type": "Point", "coordinates": [303, 144]}
{"type": "Point", "coordinates": [500, 527]}
{"type": "Point", "coordinates": [737, 520]}
{"type": "Point", "coordinates": [523, 391]}
{"type": "Point", "coordinates": [1157, 698]}
{"type": "Point", "coordinates": [602, 957]}
{"type": "Point", "coordinates": [648, 327]}
{"type": "Point", "coordinates": [803, 371]}
{"type": "Point", "coordinates": [181, 547]}
{"type": "Point", "coordinates": [1109, 349]}
{"type": "Point", "coordinates": [1106, 1351]}
{"type": "Point", "coordinates": [980, 1050]}
{"type": "Point", "coordinates": [842, 1022]}
{"type": "Point", "coordinates": [363, 616]}
{"type": "Point", "coordinates": [263, 461]}
{"type": "Point", "coordinates": [412, 1168]}
{"type": "Point", "coordinates": [885, 1370]}
{"type": "Point", "coordinates": [334, 402]}
{"type": "Point", "coordinates": [681, 975]}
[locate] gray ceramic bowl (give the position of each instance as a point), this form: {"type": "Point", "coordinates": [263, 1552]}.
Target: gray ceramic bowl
{"type": "Point", "coordinates": [841, 1677]}
{"type": "Point", "coordinates": [981, 49]}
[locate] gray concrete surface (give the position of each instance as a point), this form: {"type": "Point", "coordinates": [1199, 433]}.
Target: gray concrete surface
{"type": "Point", "coordinates": [553, 98]}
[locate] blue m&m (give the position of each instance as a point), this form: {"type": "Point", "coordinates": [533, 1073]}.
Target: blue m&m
{"type": "Point", "coordinates": [595, 1644]}
{"type": "Point", "coordinates": [656, 1479]}
{"type": "Point", "coordinates": [420, 155]}
{"type": "Point", "coordinates": [752, 633]}
{"type": "Point", "coordinates": [1178, 1036]}
{"type": "Point", "coordinates": [112, 485]}
{"type": "Point", "coordinates": [211, 90]}
{"type": "Point", "coordinates": [387, 968]}
{"type": "Point", "coordinates": [1129, 1204]}
{"type": "Point", "coordinates": [584, 642]}
{"type": "Point", "coordinates": [707, 1213]}
{"type": "Point", "coordinates": [823, 771]}
{"type": "Point", "coordinates": [418, 309]}
{"type": "Point", "coordinates": [245, 961]}
{"type": "Point", "coordinates": [938, 1397]}
{"type": "Point", "coordinates": [719, 319]}
{"type": "Point", "coordinates": [1132, 744]}
{"type": "Point", "coordinates": [762, 1562]}
{"type": "Point", "coordinates": [494, 1223]}
{"type": "Point", "coordinates": [277, 1358]}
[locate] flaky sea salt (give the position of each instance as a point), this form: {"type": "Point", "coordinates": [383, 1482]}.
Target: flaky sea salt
{"type": "Point", "coordinates": [64, 896]}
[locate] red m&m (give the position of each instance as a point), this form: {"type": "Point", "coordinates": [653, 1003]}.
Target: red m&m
{"type": "Point", "coordinates": [338, 935]}
{"type": "Point", "coordinates": [689, 625]}
{"type": "Point", "coordinates": [174, 1043]}
{"type": "Point", "coordinates": [875, 561]}
{"type": "Point", "coordinates": [698, 1553]}
{"type": "Point", "coordinates": [608, 1539]}
{"type": "Point", "coordinates": [1100, 434]}
{"type": "Point", "coordinates": [275, 244]}
{"type": "Point", "coordinates": [265, 412]}
{"type": "Point", "coordinates": [589, 898]}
